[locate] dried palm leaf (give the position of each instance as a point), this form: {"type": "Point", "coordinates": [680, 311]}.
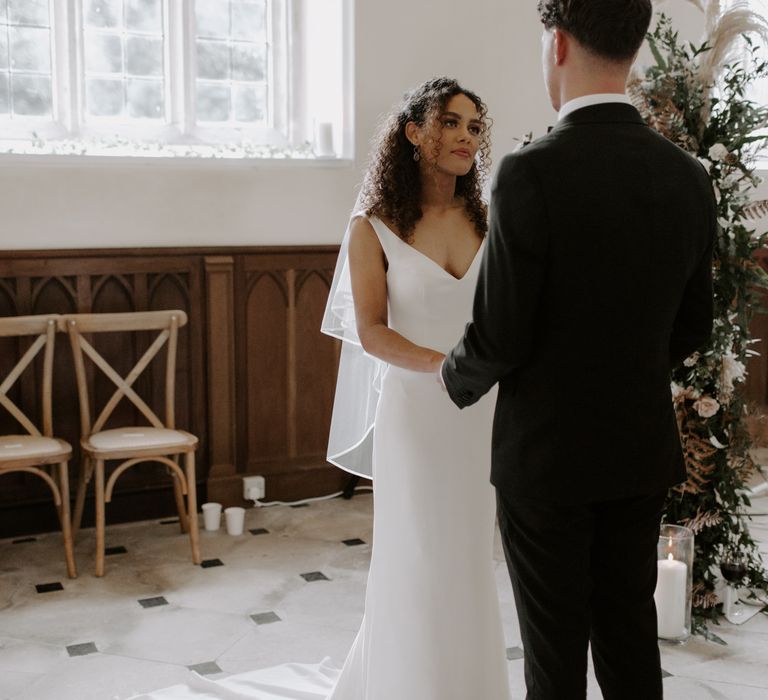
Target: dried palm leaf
{"type": "Point", "coordinates": [712, 11]}
{"type": "Point", "coordinates": [723, 33]}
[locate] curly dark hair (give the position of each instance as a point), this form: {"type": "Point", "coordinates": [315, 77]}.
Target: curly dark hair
{"type": "Point", "coordinates": [392, 185]}
{"type": "Point", "coordinates": [611, 29]}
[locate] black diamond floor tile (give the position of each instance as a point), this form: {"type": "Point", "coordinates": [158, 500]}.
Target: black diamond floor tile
{"type": "Point", "coordinates": [115, 550]}
{"type": "Point", "coordinates": [49, 587]}
{"type": "Point", "coordinates": [315, 576]}
{"type": "Point", "coordinates": [353, 542]}
{"type": "Point", "coordinates": [265, 618]}
{"type": "Point", "coordinates": [206, 668]}
{"type": "Point", "coordinates": [209, 563]}
{"type": "Point", "coordinates": [82, 649]}
{"type": "Point", "coordinates": [155, 602]}
{"type": "Point", "coordinates": [259, 531]}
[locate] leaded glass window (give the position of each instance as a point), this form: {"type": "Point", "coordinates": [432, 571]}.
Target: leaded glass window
{"type": "Point", "coordinates": [232, 54]}
{"type": "Point", "coordinates": [26, 88]}
{"type": "Point", "coordinates": [124, 42]}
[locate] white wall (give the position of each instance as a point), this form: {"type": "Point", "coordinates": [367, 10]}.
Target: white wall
{"type": "Point", "coordinates": [492, 46]}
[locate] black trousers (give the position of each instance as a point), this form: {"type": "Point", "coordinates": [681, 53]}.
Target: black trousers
{"type": "Point", "coordinates": [581, 575]}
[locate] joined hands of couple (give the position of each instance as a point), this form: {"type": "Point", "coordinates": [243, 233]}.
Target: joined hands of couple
{"type": "Point", "coordinates": [437, 368]}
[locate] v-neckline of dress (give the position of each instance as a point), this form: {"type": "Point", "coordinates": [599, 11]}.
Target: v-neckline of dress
{"type": "Point", "coordinates": [434, 263]}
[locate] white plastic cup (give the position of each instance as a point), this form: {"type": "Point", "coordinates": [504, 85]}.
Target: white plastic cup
{"type": "Point", "coordinates": [212, 516]}
{"type": "Point", "coordinates": [235, 517]}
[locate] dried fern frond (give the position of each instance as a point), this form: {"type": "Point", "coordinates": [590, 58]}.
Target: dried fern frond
{"type": "Point", "coordinates": [756, 210]}
{"type": "Point", "coordinates": [636, 93]}
{"type": "Point", "coordinates": [702, 598]}
{"type": "Point", "coordinates": [723, 33]}
{"type": "Point", "coordinates": [702, 520]}
{"type": "Point", "coordinates": [699, 464]}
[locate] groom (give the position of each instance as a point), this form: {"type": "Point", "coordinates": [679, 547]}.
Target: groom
{"type": "Point", "coordinates": [596, 282]}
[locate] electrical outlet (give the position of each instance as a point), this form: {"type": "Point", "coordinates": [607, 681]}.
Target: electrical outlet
{"type": "Point", "coordinates": [253, 487]}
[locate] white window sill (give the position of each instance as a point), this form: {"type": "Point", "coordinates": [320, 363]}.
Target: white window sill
{"type": "Point", "coordinates": [89, 161]}
{"type": "Point", "coordinates": [126, 153]}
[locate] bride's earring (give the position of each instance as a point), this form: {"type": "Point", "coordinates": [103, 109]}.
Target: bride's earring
{"type": "Point", "coordinates": [416, 154]}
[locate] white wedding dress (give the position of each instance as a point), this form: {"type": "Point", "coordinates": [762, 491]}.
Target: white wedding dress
{"type": "Point", "coordinates": [431, 628]}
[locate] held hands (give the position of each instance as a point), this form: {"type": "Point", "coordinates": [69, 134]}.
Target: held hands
{"type": "Point", "coordinates": [437, 366]}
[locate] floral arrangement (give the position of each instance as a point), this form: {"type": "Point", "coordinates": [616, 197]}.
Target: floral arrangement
{"type": "Point", "coordinates": [697, 96]}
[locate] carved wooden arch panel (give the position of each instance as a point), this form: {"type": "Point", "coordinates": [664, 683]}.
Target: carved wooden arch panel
{"type": "Point", "coordinates": [42, 288]}
{"type": "Point", "coordinates": [8, 298]}
{"type": "Point", "coordinates": [266, 365]}
{"type": "Point", "coordinates": [315, 365]}
{"type": "Point", "coordinates": [253, 278]}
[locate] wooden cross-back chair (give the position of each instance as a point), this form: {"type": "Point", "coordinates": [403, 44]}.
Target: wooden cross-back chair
{"type": "Point", "coordinates": [36, 451]}
{"type": "Point", "coordinates": [159, 441]}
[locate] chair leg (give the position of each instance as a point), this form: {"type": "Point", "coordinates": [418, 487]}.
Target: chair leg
{"type": "Point", "coordinates": [100, 519]}
{"type": "Point", "coordinates": [194, 540]}
{"type": "Point", "coordinates": [66, 522]}
{"type": "Point", "coordinates": [82, 486]}
{"type": "Point", "coordinates": [179, 496]}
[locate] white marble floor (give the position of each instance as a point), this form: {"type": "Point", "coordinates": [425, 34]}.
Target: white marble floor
{"type": "Point", "coordinates": [155, 616]}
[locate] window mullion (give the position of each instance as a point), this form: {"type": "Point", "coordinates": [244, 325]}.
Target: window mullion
{"type": "Point", "coordinates": [278, 75]}
{"type": "Point", "coordinates": [174, 54]}
{"type": "Point", "coordinates": [293, 75]}
{"type": "Point", "coordinates": [182, 41]}
{"type": "Point", "coordinates": [64, 73]}
{"type": "Point", "coordinates": [76, 74]}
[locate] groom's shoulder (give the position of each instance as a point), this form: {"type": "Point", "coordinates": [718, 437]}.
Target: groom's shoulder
{"type": "Point", "coordinates": [524, 158]}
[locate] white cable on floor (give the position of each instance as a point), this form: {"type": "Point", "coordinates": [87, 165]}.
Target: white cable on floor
{"type": "Point", "coordinates": [259, 504]}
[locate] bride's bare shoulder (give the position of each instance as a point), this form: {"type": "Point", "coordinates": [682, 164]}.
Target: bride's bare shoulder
{"type": "Point", "coordinates": [364, 243]}
{"type": "Point", "coordinates": [361, 227]}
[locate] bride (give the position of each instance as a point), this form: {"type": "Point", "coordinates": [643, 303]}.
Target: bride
{"type": "Point", "coordinates": [431, 629]}
{"type": "Point", "coordinates": [402, 294]}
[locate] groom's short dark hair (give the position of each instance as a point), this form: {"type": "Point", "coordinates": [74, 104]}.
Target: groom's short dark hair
{"type": "Point", "coordinates": [611, 29]}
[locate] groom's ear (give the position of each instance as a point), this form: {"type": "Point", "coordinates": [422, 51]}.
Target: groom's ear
{"type": "Point", "coordinates": [560, 46]}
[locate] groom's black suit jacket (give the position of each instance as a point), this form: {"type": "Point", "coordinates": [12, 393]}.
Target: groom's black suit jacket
{"type": "Point", "coordinates": [595, 282]}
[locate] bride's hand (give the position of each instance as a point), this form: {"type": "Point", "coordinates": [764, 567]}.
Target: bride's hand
{"type": "Point", "coordinates": [437, 366]}
{"type": "Point", "coordinates": [437, 362]}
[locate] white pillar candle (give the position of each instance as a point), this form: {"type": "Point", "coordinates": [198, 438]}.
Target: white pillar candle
{"type": "Point", "coordinates": [670, 597]}
{"type": "Point", "coordinates": [324, 139]}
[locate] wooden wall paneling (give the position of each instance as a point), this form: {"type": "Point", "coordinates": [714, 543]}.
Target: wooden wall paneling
{"type": "Point", "coordinates": [285, 354]}
{"type": "Point", "coordinates": [264, 369]}
{"type": "Point", "coordinates": [220, 304]}
{"type": "Point", "coordinates": [255, 376]}
{"type": "Point", "coordinates": [316, 362]}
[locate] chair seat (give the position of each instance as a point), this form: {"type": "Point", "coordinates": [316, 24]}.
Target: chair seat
{"type": "Point", "coordinates": [143, 438]}
{"type": "Point", "coordinates": [14, 447]}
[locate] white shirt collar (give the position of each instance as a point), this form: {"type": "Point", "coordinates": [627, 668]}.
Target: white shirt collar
{"type": "Point", "coordinates": [589, 101]}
